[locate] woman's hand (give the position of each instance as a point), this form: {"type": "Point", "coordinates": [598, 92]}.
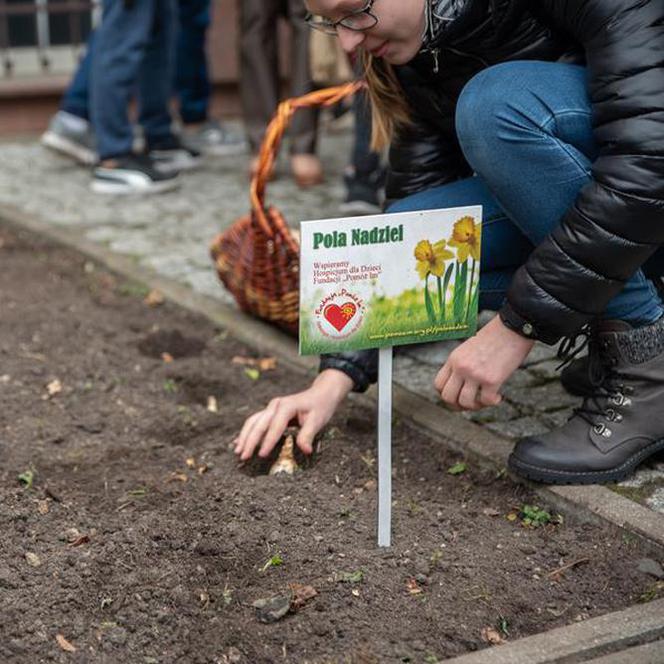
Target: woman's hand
{"type": "Point", "coordinates": [474, 373]}
{"type": "Point", "coordinates": [313, 409]}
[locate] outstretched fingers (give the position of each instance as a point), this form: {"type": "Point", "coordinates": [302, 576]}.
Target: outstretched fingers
{"type": "Point", "coordinates": [253, 431]}
{"type": "Point", "coordinates": [310, 427]}
{"type": "Point", "coordinates": [281, 417]}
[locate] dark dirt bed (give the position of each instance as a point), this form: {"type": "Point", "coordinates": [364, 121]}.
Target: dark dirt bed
{"type": "Point", "coordinates": [128, 534]}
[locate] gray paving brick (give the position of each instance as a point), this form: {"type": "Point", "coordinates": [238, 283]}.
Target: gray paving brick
{"type": "Point", "coordinates": [541, 399]}
{"type": "Point", "coordinates": [524, 426]}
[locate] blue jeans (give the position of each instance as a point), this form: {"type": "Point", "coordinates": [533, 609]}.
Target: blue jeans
{"type": "Point", "coordinates": [526, 130]}
{"type": "Point", "coordinates": [134, 51]}
{"type": "Point", "coordinates": [76, 97]}
{"type": "Point", "coordinates": [192, 81]}
{"type": "Point", "coordinates": [192, 84]}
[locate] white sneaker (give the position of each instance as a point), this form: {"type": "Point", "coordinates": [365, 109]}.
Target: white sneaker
{"type": "Point", "coordinates": [132, 174]}
{"type": "Point", "coordinates": [72, 136]}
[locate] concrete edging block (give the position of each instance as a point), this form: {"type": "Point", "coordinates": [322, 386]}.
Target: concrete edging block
{"type": "Point", "coordinates": [581, 641]}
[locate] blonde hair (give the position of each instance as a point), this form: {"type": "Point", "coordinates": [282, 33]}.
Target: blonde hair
{"type": "Point", "coordinates": [390, 111]}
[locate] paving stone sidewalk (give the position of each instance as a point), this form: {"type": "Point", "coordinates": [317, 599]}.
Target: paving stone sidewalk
{"type": "Point", "coordinates": [171, 234]}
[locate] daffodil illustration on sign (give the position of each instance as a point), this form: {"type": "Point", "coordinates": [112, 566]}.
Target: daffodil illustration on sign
{"type": "Point", "coordinates": [431, 259]}
{"type": "Point", "coordinates": [467, 240]}
{"type": "Point", "coordinates": [389, 280]}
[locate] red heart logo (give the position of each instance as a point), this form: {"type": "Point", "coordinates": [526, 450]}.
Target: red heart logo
{"type": "Point", "coordinates": [339, 316]}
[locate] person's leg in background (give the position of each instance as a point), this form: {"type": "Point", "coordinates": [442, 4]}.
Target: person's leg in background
{"type": "Point", "coordinates": [192, 85]}
{"type": "Point", "coordinates": [124, 37]}
{"type": "Point", "coordinates": [259, 72]}
{"type": "Point", "coordinates": [305, 164]}
{"type": "Point", "coordinates": [70, 132]}
{"type": "Point", "coordinates": [526, 129]}
{"type": "Point", "coordinates": [154, 94]}
{"type": "Point", "coordinates": [155, 75]}
{"type": "Point", "coordinates": [259, 81]}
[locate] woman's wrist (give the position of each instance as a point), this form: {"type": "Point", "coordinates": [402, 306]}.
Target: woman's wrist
{"type": "Point", "coordinates": [336, 384]}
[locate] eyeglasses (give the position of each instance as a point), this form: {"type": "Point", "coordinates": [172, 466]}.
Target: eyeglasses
{"type": "Point", "coordinates": [359, 21]}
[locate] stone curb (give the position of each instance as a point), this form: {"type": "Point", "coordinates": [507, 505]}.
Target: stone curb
{"type": "Point", "coordinates": [583, 641]}
{"type": "Point", "coordinates": [653, 653]}
{"type": "Point", "coordinates": [468, 438]}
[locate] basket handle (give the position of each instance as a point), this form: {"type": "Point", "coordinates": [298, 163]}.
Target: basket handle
{"type": "Point", "coordinates": [274, 223]}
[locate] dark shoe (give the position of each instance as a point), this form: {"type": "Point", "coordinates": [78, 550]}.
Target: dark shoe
{"type": "Point", "coordinates": [363, 194]}
{"type": "Point", "coordinates": [131, 174]}
{"type": "Point", "coordinates": [620, 425]}
{"type": "Point", "coordinates": [171, 155]}
{"type": "Point", "coordinates": [214, 139]}
{"type": "Point", "coordinates": [575, 377]}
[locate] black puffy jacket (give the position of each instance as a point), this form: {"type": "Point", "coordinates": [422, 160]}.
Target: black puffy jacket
{"type": "Point", "coordinates": [617, 220]}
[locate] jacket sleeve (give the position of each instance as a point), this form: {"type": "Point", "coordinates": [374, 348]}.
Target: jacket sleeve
{"type": "Point", "coordinates": [360, 365]}
{"type": "Point", "coordinates": [617, 220]}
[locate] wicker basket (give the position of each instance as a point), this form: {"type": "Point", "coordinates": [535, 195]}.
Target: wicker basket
{"type": "Point", "coordinates": [257, 258]}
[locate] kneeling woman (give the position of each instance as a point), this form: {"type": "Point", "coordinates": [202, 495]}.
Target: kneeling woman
{"type": "Point", "coordinates": [551, 115]}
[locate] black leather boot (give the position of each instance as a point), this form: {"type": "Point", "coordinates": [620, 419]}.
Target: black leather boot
{"type": "Point", "coordinates": [620, 425]}
{"type": "Point", "coordinates": [575, 377]}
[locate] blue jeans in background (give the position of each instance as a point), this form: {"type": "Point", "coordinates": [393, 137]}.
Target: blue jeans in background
{"type": "Point", "coordinates": [76, 99]}
{"type": "Point", "coordinates": [134, 53]}
{"type": "Point", "coordinates": [526, 130]}
{"type": "Point", "coordinates": [191, 84]}
{"type": "Point", "coordinates": [192, 81]}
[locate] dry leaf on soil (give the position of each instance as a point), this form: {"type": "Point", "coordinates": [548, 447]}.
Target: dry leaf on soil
{"type": "Point", "coordinates": [154, 298]}
{"type": "Point", "coordinates": [178, 477]}
{"type": "Point", "coordinates": [492, 636]}
{"type": "Point", "coordinates": [301, 595]}
{"type": "Point", "coordinates": [261, 363]}
{"type": "Point", "coordinates": [42, 507]}
{"type": "Point", "coordinates": [54, 387]}
{"type": "Point", "coordinates": [212, 405]}
{"type": "Point", "coordinates": [64, 644]}
{"type": "Point", "coordinates": [413, 587]}
{"type": "Point", "coordinates": [191, 462]}
{"type": "Point", "coordinates": [83, 539]}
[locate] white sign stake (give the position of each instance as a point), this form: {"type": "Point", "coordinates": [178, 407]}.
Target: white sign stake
{"type": "Point", "coordinates": [385, 447]}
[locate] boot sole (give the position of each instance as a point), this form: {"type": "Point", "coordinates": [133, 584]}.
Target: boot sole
{"type": "Point", "coordinates": [548, 476]}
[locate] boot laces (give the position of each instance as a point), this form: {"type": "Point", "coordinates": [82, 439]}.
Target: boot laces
{"type": "Point", "coordinates": [609, 388]}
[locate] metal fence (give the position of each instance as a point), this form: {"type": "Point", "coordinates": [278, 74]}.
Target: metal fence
{"type": "Point", "coordinates": [44, 37]}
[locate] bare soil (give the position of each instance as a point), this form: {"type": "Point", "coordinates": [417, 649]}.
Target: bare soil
{"type": "Point", "coordinates": [140, 540]}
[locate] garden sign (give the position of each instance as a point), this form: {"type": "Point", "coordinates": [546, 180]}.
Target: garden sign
{"type": "Point", "coordinates": [388, 280]}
